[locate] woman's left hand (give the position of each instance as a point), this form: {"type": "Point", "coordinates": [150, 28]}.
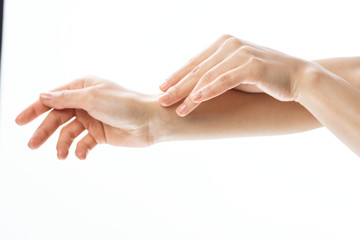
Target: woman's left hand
{"type": "Point", "coordinates": [232, 63]}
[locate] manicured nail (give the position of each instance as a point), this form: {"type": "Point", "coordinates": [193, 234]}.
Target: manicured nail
{"type": "Point", "coordinates": [181, 109]}
{"type": "Point", "coordinates": [18, 120]}
{"type": "Point", "coordinates": [61, 155]}
{"type": "Point", "coordinates": [164, 97]}
{"type": "Point", "coordinates": [46, 96]}
{"type": "Point", "coordinates": [31, 144]}
{"type": "Point", "coordinates": [164, 85]}
{"type": "Point", "coordinates": [196, 96]}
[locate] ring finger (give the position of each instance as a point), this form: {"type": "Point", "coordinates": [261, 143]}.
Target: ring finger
{"type": "Point", "coordinates": [67, 136]}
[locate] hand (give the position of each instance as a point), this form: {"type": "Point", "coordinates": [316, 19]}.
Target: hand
{"type": "Point", "coordinates": [232, 63]}
{"type": "Point", "coordinates": [110, 113]}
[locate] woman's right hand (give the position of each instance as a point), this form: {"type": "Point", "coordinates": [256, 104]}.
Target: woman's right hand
{"type": "Point", "coordinates": [110, 113]}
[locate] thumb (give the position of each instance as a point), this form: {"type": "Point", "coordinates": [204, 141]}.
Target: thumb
{"type": "Point", "coordinates": [64, 99]}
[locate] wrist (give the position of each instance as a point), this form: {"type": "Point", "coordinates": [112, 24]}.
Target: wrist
{"type": "Point", "coordinates": [159, 119]}
{"type": "Point", "coordinates": [164, 123]}
{"type": "Point", "coordinates": [309, 78]}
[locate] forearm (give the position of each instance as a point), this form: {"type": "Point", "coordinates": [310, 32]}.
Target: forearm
{"type": "Point", "coordinates": [347, 68]}
{"type": "Point", "coordinates": [236, 114]}
{"type": "Point", "coordinates": [233, 114]}
{"type": "Point", "coordinates": [334, 102]}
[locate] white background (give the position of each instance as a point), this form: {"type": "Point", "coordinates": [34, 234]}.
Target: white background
{"type": "Point", "coordinates": [300, 186]}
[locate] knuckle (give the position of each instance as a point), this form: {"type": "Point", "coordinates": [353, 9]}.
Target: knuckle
{"type": "Point", "coordinates": [63, 131]}
{"type": "Point", "coordinates": [195, 70]}
{"type": "Point", "coordinates": [80, 145]}
{"type": "Point", "coordinates": [175, 90]}
{"type": "Point", "coordinates": [224, 79]}
{"type": "Point", "coordinates": [93, 92]}
{"type": "Point", "coordinates": [89, 103]}
{"type": "Point", "coordinates": [254, 61]}
{"type": "Point", "coordinates": [191, 61]}
{"type": "Point", "coordinates": [256, 68]}
{"type": "Point", "coordinates": [211, 90]}
{"type": "Point", "coordinates": [59, 117]}
{"type": "Point", "coordinates": [66, 134]}
{"type": "Point", "coordinates": [225, 36]}
{"type": "Point", "coordinates": [64, 93]}
{"type": "Point", "coordinates": [46, 131]}
{"type": "Point", "coordinates": [71, 135]}
{"type": "Point", "coordinates": [207, 77]}
{"type": "Point", "coordinates": [257, 63]}
{"type": "Point", "coordinates": [232, 43]}
{"type": "Point", "coordinates": [312, 73]}
{"type": "Point", "coordinates": [89, 98]}
{"type": "Point", "coordinates": [245, 51]}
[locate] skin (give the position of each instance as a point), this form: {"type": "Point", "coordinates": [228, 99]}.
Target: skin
{"type": "Point", "coordinates": [232, 63]}
{"type": "Point", "coordinates": [293, 103]}
{"type": "Point", "coordinates": [118, 116]}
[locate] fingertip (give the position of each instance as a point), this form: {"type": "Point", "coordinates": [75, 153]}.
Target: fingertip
{"type": "Point", "coordinates": [62, 155]}
{"type": "Point", "coordinates": [31, 144]}
{"type": "Point", "coordinates": [162, 89]}
{"type": "Point", "coordinates": [181, 114]}
{"type": "Point", "coordinates": [181, 110]}
{"type": "Point", "coordinates": [18, 120]}
{"type": "Point", "coordinates": [164, 99]}
{"type": "Point", "coordinates": [164, 86]}
{"type": "Point", "coordinates": [81, 154]}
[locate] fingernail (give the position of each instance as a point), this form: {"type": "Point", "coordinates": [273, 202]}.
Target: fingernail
{"type": "Point", "coordinates": [18, 120]}
{"type": "Point", "coordinates": [31, 144]}
{"type": "Point", "coordinates": [60, 155]}
{"type": "Point", "coordinates": [82, 155]}
{"type": "Point", "coordinates": [164, 97]}
{"type": "Point", "coordinates": [46, 96]}
{"type": "Point", "coordinates": [196, 96]}
{"type": "Point", "coordinates": [164, 85]}
{"type": "Point", "coordinates": [181, 109]}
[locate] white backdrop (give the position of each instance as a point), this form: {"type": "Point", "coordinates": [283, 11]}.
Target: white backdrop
{"type": "Point", "coordinates": [299, 186]}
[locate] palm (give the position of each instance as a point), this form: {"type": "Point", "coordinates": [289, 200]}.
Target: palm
{"type": "Point", "coordinates": [105, 133]}
{"type": "Point", "coordinates": [248, 88]}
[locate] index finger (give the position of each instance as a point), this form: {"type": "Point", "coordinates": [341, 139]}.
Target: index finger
{"type": "Point", "coordinates": [37, 108]}
{"type": "Point", "coordinates": [182, 72]}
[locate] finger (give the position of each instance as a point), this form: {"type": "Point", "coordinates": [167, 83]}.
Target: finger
{"type": "Point", "coordinates": [235, 60]}
{"type": "Point", "coordinates": [52, 121]}
{"type": "Point", "coordinates": [31, 112]}
{"type": "Point", "coordinates": [84, 146]}
{"type": "Point", "coordinates": [95, 128]}
{"type": "Point", "coordinates": [178, 75]}
{"type": "Point", "coordinates": [37, 108]}
{"type": "Point", "coordinates": [184, 87]}
{"type": "Point", "coordinates": [66, 99]}
{"type": "Point", "coordinates": [187, 84]}
{"type": "Point", "coordinates": [67, 136]}
{"type": "Point", "coordinates": [226, 81]}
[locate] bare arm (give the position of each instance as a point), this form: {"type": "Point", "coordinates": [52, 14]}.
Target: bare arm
{"type": "Point", "coordinates": [347, 68]}
{"type": "Point", "coordinates": [115, 115]}
{"type": "Point", "coordinates": [233, 114]}
{"type": "Point", "coordinates": [237, 113]}
{"type": "Point", "coordinates": [334, 102]}
{"type": "Point", "coordinates": [232, 63]}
